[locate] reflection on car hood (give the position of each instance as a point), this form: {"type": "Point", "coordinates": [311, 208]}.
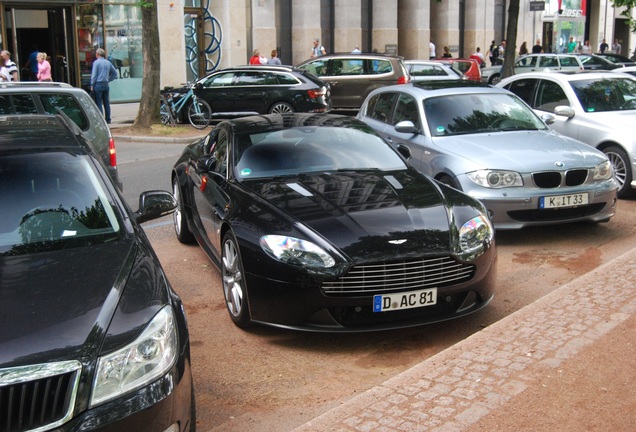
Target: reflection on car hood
{"type": "Point", "coordinates": [361, 212]}
{"type": "Point", "coordinates": [522, 151]}
{"type": "Point", "coordinates": [57, 305]}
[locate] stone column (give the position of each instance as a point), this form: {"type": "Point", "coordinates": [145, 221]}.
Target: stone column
{"type": "Point", "coordinates": [348, 25]}
{"type": "Point", "coordinates": [263, 17]}
{"type": "Point", "coordinates": [479, 27]}
{"type": "Point", "coordinates": [414, 24]}
{"type": "Point", "coordinates": [445, 26]}
{"type": "Point", "coordinates": [385, 24]}
{"type": "Point", "coordinates": [305, 27]}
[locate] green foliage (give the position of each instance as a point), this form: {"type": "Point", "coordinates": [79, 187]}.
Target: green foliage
{"type": "Point", "coordinates": [627, 12]}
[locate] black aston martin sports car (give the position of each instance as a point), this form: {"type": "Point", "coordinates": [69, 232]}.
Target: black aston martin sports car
{"type": "Point", "coordinates": [316, 223]}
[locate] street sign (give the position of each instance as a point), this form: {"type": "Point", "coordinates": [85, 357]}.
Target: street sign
{"type": "Point", "coordinates": [537, 6]}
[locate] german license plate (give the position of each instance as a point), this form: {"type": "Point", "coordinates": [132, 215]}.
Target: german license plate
{"type": "Point", "coordinates": [561, 201]}
{"type": "Point", "coordinates": [405, 300]}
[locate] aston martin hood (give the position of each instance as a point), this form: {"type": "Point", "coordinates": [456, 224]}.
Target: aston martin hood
{"type": "Point", "coordinates": [355, 210]}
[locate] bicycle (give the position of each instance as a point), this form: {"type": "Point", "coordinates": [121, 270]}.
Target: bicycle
{"type": "Point", "coordinates": [199, 111]}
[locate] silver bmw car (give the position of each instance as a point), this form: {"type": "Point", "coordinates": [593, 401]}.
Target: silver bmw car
{"type": "Point", "coordinates": [488, 143]}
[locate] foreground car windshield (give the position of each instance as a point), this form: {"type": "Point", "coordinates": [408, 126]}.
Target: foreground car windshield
{"type": "Point", "coordinates": [606, 94]}
{"type": "Point", "coordinates": [478, 113]}
{"type": "Point", "coordinates": [57, 202]}
{"type": "Point", "coordinates": [311, 149]}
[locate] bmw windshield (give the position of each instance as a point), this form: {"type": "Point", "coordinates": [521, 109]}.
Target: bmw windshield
{"type": "Point", "coordinates": [613, 94]}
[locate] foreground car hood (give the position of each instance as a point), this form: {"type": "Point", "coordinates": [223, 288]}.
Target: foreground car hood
{"type": "Point", "coordinates": [57, 305]}
{"type": "Point", "coordinates": [360, 212]}
{"type": "Point", "coordinates": [522, 151]}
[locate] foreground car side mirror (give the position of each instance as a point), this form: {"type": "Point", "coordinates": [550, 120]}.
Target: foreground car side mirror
{"type": "Point", "coordinates": [404, 151]}
{"type": "Point", "coordinates": [564, 110]}
{"type": "Point", "coordinates": [406, 126]}
{"type": "Point", "coordinates": [548, 119]}
{"type": "Point", "coordinates": [155, 204]}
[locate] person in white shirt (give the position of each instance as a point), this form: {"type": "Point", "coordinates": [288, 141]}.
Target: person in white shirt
{"type": "Point", "coordinates": [12, 68]}
{"type": "Point", "coordinates": [431, 49]}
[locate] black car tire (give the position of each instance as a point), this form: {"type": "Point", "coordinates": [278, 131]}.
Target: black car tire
{"type": "Point", "coordinates": [181, 229]}
{"type": "Point", "coordinates": [622, 169]}
{"type": "Point", "coordinates": [281, 108]}
{"type": "Point", "coordinates": [201, 119]}
{"type": "Point", "coordinates": [494, 79]}
{"type": "Point", "coordinates": [234, 289]}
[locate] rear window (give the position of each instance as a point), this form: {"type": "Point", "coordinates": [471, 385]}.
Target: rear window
{"type": "Point", "coordinates": [381, 67]}
{"type": "Point", "coordinates": [51, 102]}
{"type": "Point", "coordinates": [569, 61]}
{"type": "Point", "coordinates": [17, 104]}
{"type": "Point", "coordinates": [286, 79]}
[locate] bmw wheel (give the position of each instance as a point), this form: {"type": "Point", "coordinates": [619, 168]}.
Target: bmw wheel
{"type": "Point", "coordinates": [281, 108]}
{"type": "Point", "coordinates": [181, 229]}
{"type": "Point", "coordinates": [622, 169]}
{"type": "Point", "coordinates": [234, 289]}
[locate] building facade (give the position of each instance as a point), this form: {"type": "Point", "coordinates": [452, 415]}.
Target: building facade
{"type": "Point", "coordinates": [200, 36]}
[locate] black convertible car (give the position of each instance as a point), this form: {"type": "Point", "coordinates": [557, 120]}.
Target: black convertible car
{"type": "Point", "coordinates": [318, 224]}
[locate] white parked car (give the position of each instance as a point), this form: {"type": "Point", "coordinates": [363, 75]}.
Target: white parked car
{"type": "Point", "coordinates": [536, 62]}
{"type": "Point", "coordinates": [427, 70]}
{"type": "Point", "coordinates": [598, 108]}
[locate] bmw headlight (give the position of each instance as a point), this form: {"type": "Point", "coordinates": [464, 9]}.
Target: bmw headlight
{"type": "Point", "coordinates": [603, 171]}
{"type": "Point", "coordinates": [474, 237]}
{"type": "Point", "coordinates": [496, 178]}
{"type": "Point", "coordinates": [296, 251]}
{"type": "Point", "coordinates": [147, 358]}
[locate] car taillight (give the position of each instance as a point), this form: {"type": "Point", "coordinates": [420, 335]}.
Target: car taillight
{"type": "Point", "coordinates": [314, 94]}
{"type": "Point", "coordinates": [404, 79]}
{"type": "Point", "coordinates": [112, 152]}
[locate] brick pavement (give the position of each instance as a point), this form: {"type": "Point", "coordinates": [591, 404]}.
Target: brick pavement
{"type": "Point", "coordinates": [490, 370]}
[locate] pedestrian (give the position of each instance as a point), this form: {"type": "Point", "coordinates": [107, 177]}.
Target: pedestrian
{"type": "Point", "coordinates": [616, 47]}
{"type": "Point", "coordinates": [356, 50]}
{"type": "Point", "coordinates": [571, 45]}
{"type": "Point", "coordinates": [274, 60]}
{"type": "Point", "coordinates": [603, 47]}
{"type": "Point", "coordinates": [5, 76]}
{"type": "Point", "coordinates": [537, 48]}
{"type": "Point", "coordinates": [102, 74]}
{"type": "Point", "coordinates": [524, 49]}
{"type": "Point", "coordinates": [32, 64]}
{"type": "Point", "coordinates": [317, 50]}
{"type": "Point", "coordinates": [479, 57]}
{"type": "Point", "coordinates": [431, 50]}
{"type": "Point", "coordinates": [9, 64]}
{"type": "Point", "coordinates": [493, 53]}
{"type": "Point", "coordinates": [44, 68]}
{"type": "Point", "coordinates": [586, 49]}
{"type": "Point", "coordinates": [257, 58]}
{"type": "Point", "coordinates": [447, 53]}
{"type": "Point", "coordinates": [502, 52]}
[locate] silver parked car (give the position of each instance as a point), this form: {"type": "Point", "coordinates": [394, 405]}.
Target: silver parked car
{"type": "Point", "coordinates": [596, 108]}
{"type": "Point", "coordinates": [427, 70]}
{"type": "Point", "coordinates": [568, 63]}
{"type": "Point", "coordinates": [486, 142]}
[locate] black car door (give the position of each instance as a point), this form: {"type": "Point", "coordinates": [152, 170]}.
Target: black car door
{"type": "Point", "coordinates": [217, 90]}
{"type": "Point", "coordinates": [209, 177]}
{"type": "Point", "coordinates": [252, 91]}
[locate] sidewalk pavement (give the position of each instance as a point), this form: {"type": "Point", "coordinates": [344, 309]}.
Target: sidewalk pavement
{"type": "Point", "coordinates": [565, 362]}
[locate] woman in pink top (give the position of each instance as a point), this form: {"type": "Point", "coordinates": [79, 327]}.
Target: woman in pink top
{"type": "Point", "coordinates": [44, 68]}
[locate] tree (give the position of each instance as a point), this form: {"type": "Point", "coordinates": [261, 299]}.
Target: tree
{"type": "Point", "coordinates": [511, 39]}
{"type": "Point", "coordinates": [148, 113]}
{"type": "Point", "coordinates": [627, 12]}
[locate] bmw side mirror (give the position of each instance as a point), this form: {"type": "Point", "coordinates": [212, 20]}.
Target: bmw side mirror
{"type": "Point", "coordinates": [564, 110]}
{"type": "Point", "coordinates": [548, 119]}
{"type": "Point", "coordinates": [406, 126]}
{"type": "Point", "coordinates": [155, 204]}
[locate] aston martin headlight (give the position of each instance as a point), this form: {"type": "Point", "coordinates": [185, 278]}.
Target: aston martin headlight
{"type": "Point", "coordinates": [474, 237]}
{"type": "Point", "coordinates": [603, 171]}
{"type": "Point", "coordinates": [147, 358]}
{"type": "Point", "coordinates": [295, 251]}
{"type": "Point", "coordinates": [496, 178]}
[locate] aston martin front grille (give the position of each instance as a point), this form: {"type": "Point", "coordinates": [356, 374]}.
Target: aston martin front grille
{"type": "Point", "coordinates": [37, 396]}
{"type": "Point", "coordinates": [371, 279]}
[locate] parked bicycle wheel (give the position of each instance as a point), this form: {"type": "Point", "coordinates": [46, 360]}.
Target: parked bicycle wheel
{"type": "Point", "coordinates": [199, 113]}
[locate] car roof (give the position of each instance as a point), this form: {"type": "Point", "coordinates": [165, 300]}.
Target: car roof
{"type": "Point", "coordinates": [37, 86]}
{"type": "Point", "coordinates": [594, 75]}
{"type": "Point", "coordinates": [279, 68]}
{"type": "Point", "coordinates": [442, 88]}
{"type": "Point", "coordinates": [31, 131]}
{"type": "Point", "coordinates": [278, 121]}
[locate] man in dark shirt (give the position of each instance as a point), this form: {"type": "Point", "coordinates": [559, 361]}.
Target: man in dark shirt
{"type": "Point", "coordinates": [604, 46]}
{"type": "Point", "coordinates": [537, 48]}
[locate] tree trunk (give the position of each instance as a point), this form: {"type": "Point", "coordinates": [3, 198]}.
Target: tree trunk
{"type": "Point", "coordinates": [148, 113]}
{"type": "Point", "coordinates": [511, 39]}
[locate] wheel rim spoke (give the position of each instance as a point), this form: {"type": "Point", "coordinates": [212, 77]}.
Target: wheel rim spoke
{"type": "Point", "coordinates": [232, 278]}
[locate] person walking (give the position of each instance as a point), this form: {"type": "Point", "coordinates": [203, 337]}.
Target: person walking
{"type": "Point", "coordinates": [524, 49]}
{"type": "Point", "coordinates": [257, 58]}
{"type": "Point", "coordinates": [317, 50]}
{"type": "Point", "coordinates": [493, 53]}
{"type": "Point", "coordinates": [586, 49]}
{"type": "Point", "coordinates": [603, 47]}
{"type": "Point", "coordinates": [571, 47]}
{"type": "Point", "coordinates": [44, 68]}
{"type": "Point", "coordinates": [4, 72]}
{"type": "Point", "coordinates": [431, 50]}
{"type": "Point", "coordinates": [102, 74]}
{"type": "Point", "coordinates": [274, 60]}
{"type": "Point", "coordinates": [537, 48]}
{"type": "Point", "coordinates": [447, 53]}
{"type": "Point", "coordinates": [616, 47]}
{"type": "Point", "coordinates": [12, 68]}
{"type": "Point", "coordinates": [32, 64]}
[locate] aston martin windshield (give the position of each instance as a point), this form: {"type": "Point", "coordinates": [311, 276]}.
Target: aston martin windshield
{"type": "Point", "coordinates": [312, 149]}
{"type": "Point", "coordinates": [478, 113]}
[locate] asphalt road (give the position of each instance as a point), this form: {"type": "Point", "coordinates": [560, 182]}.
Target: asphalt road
{"type": "Point", "coordinates": [268, 379]}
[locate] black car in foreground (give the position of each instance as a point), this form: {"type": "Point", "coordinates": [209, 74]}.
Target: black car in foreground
{"type": "Point", "coordinates": [248, 90]}
{"type": "Point", "coordinates": [92, 337]}
{"type": "Point", "coordinates": [318, 224]}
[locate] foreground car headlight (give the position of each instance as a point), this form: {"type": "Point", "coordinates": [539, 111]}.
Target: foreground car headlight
{"type": "Point", "coordinates": [474, 237]}
{"type": "Point", "coordinates": [496, 178]}
{"type": "Point", "coordinates": [603, 171]}
{"type": "Point", "coordinates": [147, 358]}
{"type": "Point", "coordinates": [295, 251]}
